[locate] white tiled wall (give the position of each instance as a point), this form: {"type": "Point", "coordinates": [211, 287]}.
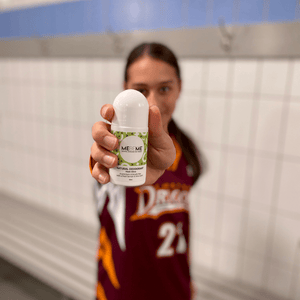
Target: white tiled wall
{"type": "Point", "coordinates": [243, 114]}
{"type": "Point", "coordinates": [47, 110]}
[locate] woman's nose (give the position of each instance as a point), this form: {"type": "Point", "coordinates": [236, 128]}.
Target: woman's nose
{"type": "Point", "coordinates": [151, 99]}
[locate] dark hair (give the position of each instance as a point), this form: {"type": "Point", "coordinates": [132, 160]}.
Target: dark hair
{"type": "Point", "coordinates": [154, 50]}
{"type": "Point", "coordinates": [163, 53]}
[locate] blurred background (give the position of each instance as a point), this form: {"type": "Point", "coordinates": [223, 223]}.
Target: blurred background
{"type": "Point", "coordinates": [60, 61]}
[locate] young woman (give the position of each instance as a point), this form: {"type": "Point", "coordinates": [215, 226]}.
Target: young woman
{"type": "Point", "coordinates": [144, 236]}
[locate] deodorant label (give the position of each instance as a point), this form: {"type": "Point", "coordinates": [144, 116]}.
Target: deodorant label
{"type": "Point", "coordinates": [132, 155]}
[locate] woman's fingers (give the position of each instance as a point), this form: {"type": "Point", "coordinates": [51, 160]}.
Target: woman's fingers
{"type": "Point", "coordinates": [101, 130]}
{"type": "Point", "coordinates": [100, 173]}
{"type": "Point", "coordinates": [103, 137]}
{"type": "Point", "coordinates": [103, 156]}
{"type": "Point", "coordinates": [105, 142]}
{"type": "Point", "coordinates": [107, 112]}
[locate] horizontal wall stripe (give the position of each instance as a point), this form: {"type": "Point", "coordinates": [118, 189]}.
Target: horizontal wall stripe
{"type": "Point", "coordinates": [255, 41]}
{"type": "Point", "coordinates": [52, 20]}
{"type": "Point", "coordinates": [282, 10]}
{"type": "Point", "coordinates": [100, 16]}
{"type": "Point", "coordinates": [223, 9]}
{"type": "Point", "coordinates": [251, 11]}
{"type": "Point", "coordinates": [144, 15]}
{"type": "Point", "coordinates": [197, 13]}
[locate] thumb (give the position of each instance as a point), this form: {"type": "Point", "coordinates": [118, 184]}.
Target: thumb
{"type": "Point", "coordinates": [161, 145]}
{"type": "Point", "coordinates": [155, 122]}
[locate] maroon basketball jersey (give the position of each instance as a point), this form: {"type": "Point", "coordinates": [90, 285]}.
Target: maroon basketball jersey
{"type": "Point", "coordinates": [144, 238]}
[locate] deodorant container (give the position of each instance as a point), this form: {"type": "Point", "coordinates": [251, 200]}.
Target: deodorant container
{"type": "Point", "coordinates": [130, 126]}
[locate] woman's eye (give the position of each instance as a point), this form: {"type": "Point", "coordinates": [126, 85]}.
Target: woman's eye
{"type": "Point", "coordinates": [165, 89]}
{"type": "Point", "coordinates": [143, 91]}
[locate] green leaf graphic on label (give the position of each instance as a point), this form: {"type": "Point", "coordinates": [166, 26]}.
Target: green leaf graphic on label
{"type": "Point", "coordinates": [132, 149]}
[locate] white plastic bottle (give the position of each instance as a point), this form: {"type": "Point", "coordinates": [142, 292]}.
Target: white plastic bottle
{"type": "Point", "coordinates": [130, 126]}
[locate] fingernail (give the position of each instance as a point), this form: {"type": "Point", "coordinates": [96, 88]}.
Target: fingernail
{"type": "Point", "coordinates": [102, 178]}
{"type": "Point", "coordinates": [104, 109]}
{"type": "Point", "coordinates": [110, 141]}
{"type": "Point", "coordinates": [108, 160]}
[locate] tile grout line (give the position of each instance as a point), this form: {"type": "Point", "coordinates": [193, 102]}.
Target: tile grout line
{"type": "Point", "coordinates": [277, 177]}
{"type": "Point", "coordinates": [249, 170]}
{"type": "Point", "coordinates": [224, 155]}
{"type": "Point", "coordinates": [202, 95]}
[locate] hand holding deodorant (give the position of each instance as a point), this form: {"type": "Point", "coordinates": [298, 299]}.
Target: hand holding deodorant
{"type": "Point", "coordinates": [130, 126]}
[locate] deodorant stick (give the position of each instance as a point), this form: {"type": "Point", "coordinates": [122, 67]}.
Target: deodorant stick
{"type": "Point", "coordinates": [130, 126]}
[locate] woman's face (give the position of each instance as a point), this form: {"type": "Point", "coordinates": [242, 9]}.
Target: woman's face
{"type": "Point", "coordinates": [158, 81]}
